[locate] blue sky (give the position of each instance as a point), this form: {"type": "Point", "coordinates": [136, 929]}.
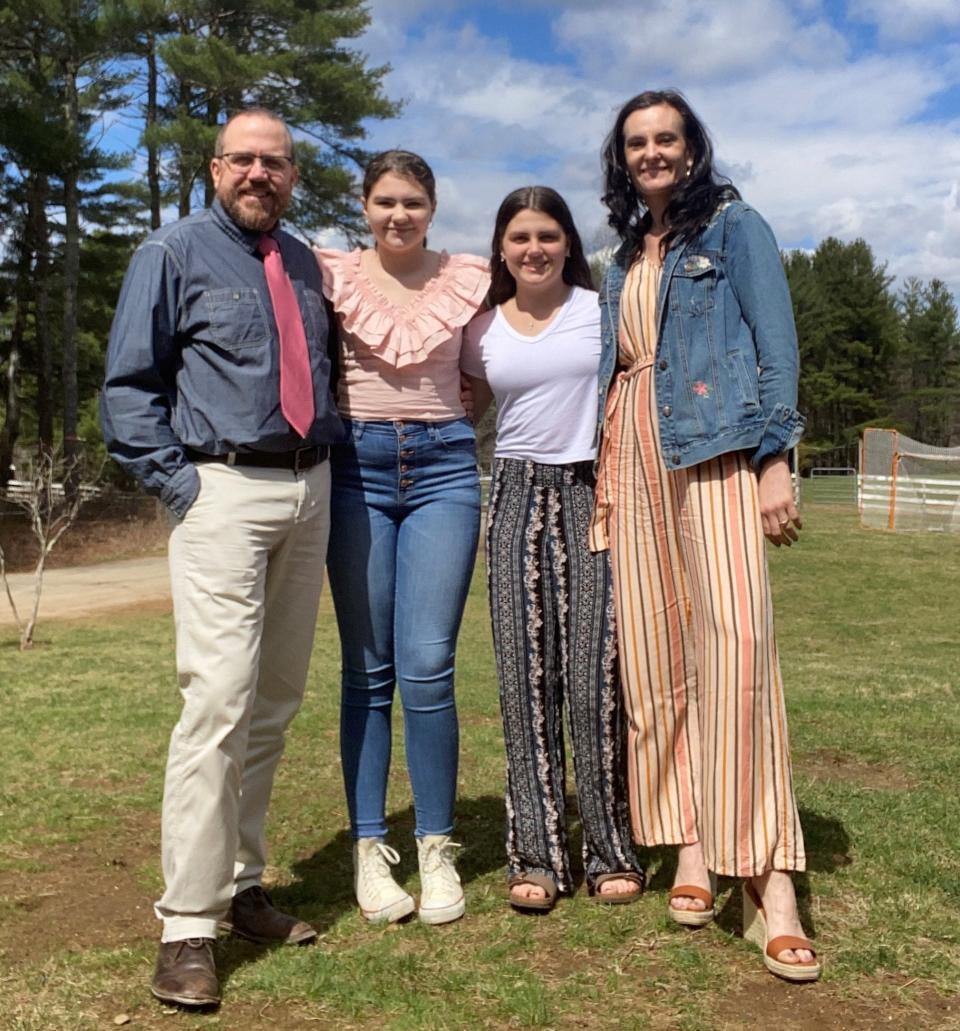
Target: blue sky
{"type": "Point", "coordinates": [833, 118]}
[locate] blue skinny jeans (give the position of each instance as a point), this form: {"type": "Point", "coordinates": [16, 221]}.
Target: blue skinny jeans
{"type": "Point", "coordinates": [404, 520]}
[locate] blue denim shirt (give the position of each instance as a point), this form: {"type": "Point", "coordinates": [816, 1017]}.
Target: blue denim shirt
{"type": "Point", "coordinates": [193, 358]}
{"type": "Point", "coordinates": [726, 367]}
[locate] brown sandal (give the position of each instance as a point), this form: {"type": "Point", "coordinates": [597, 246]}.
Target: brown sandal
{"type": "Point", "coordinates": [538, 880]}
{"type": "Point", "coordinates": [617, 898]}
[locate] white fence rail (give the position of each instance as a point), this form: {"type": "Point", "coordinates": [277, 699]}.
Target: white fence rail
{"type": "Point", "coordinates": [830, 485]}
{"type": "Point", "coordinates": [23, 490]}
{"type": "Point", "coordinates": [906, 503]}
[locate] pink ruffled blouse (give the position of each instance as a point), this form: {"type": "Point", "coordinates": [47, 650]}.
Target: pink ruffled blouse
{"type": "Point", "coordinates": [402, 361]}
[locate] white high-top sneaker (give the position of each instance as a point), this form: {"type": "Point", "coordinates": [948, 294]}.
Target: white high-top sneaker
{"type": "Point", "coordinates": [441, 896]}
{"type": "Point", "coordinates": [379, 896]}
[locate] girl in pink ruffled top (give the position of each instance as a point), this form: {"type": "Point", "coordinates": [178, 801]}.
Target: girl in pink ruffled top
{"type": "Point", "coordinates": [405, 515]}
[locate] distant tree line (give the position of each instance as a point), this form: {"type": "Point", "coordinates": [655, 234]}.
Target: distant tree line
{"type": "Point", "coordinates": [870, 356]}
{"type": "Point", "coordinates": [167, 72]}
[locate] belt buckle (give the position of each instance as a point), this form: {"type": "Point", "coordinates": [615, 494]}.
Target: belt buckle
{"type": "Point", "coordinates": [296, 458]}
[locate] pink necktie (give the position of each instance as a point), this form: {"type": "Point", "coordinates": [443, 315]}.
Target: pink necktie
{"type": "Point", "coordinates": [296, 381]}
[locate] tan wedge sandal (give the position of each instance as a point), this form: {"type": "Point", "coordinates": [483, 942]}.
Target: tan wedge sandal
{"type": "Point", "coordinates": [693, 917]}
{"type": "Point", "coordinates": [755, 930]}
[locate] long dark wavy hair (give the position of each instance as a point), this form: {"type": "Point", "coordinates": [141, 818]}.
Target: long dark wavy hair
{"type": "Point", "coordinates": [576, 271]}
{"type": "Point", "coordinates": [694, 199]}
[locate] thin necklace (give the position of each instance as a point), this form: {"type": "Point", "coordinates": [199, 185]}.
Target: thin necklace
{"type": "Point", "coordinates": [532, 320]}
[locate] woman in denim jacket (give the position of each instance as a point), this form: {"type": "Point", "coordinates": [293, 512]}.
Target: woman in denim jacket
{"type": "Point", "coordinates": [698, 390]}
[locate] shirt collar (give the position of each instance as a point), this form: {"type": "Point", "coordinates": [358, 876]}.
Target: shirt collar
{"type": "Point", "coordinates": [248, 239]}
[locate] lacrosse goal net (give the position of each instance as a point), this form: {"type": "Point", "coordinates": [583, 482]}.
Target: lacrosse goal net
{"type": "Point", "coordinates": [908, 485]}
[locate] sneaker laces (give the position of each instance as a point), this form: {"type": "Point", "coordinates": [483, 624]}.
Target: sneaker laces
{"type": "Point", "coordinates": [374, 869]}
{"type": "Point", "coordinates": [379, 859]}
{"type": "Point", "coordinates": [437, 859]}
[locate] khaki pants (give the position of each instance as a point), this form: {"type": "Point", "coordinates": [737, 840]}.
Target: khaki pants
{"type": "Point", "coordinates": [246, 568]}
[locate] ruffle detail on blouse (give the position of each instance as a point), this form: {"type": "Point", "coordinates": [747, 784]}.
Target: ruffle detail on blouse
{"type": "Point", "coordinates": [404, 334]}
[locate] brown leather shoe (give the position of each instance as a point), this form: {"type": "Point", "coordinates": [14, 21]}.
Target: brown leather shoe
{"type": "Point", "coordinates": [186, 974]}
{"type": "Point", "coordinates": [252, 916]}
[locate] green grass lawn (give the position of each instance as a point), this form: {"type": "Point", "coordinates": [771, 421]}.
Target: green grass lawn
{"type": "Point", "coordinates": [868, 631]}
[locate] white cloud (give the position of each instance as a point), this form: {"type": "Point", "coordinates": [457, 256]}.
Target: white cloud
{"type": "Point", "coordinates": [907, 20]}
{"type": "Point", "coordinates": [822, 136]}
{"type": "Point", "coordinates": [700, 39]}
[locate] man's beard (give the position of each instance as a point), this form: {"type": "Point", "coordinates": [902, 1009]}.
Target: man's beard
{"type": "Point", "coordinates": [256, 218]}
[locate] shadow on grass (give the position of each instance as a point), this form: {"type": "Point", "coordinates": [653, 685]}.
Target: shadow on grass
{"type": "Point", "coordinates": [325, 879]}
{"type": "Point", "coordinates": [323, 890]}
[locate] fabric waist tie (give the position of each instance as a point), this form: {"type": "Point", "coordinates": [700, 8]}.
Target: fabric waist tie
{"type": "Point", "coordinates": [612, 400]}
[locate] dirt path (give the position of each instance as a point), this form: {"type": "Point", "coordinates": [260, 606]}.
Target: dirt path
{"type": "Point", "coordinates": [85, 590]}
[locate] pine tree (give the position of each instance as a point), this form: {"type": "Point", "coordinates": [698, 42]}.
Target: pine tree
{"type": "Point", "coordinates": [848, 327]}
{"type": "Point", "coordinates": [178, 67]}
{"type": "Point", "coordinates": [54, 66]}
{"type": "Point", "coordinates": [929, 363]}
{"type": "Point", "coordinates": [291, 59]}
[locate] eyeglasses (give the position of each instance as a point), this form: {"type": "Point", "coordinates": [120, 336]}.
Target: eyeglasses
{"type": "Point", "coordinates": [243, 161]}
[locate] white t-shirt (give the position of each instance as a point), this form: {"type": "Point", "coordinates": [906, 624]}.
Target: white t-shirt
{"type": "Point", "coordinates": [545, 386]}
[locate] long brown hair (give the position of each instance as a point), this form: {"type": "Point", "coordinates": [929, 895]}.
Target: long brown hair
{"type": "Point", "coordinates": [576, 271]}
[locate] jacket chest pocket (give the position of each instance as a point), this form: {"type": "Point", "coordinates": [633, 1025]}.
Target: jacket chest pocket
{"type": "Point", "coordinates": [694, 284]}
{"type": "Point", "coordinates": [236, 318]}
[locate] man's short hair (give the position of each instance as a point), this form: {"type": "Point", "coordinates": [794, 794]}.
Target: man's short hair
{"type": "Point", "coordinates": [261, 112]}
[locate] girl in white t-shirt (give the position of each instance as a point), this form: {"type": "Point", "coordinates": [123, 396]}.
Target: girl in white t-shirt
{"type": "Point", "coordinates": [537, 351]}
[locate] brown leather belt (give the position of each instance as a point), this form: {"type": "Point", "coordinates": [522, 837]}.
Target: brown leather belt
{"type": "Point", "coordinates": [299, 460]}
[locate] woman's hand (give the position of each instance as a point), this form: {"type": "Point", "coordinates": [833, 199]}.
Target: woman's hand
{"type": "Point", "coordinates": [475, 396]}
{"type": "Point", "coordinates": [778, 513]}
{"type": "Point", "coordinates": [466, 396]}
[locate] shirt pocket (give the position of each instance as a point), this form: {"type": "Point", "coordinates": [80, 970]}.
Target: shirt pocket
{"type": "Point", "coordinates": [237, 318]}
{"type": "Point", "coordinates": [694, 284]}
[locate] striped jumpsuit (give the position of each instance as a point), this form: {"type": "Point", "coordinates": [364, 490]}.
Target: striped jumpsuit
{"type": "Point", "coordinates": [708, 756]}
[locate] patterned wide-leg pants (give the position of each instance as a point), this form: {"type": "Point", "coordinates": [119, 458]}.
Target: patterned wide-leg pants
{"type": "Point", "coordinates": [551, 604]}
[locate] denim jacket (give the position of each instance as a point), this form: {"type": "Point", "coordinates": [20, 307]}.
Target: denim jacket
{"type": "Point", "coordinates": [726, 366]}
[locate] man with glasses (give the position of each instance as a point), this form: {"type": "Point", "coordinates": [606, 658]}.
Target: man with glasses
{"type": "Point", "coordinates": [218, 399]}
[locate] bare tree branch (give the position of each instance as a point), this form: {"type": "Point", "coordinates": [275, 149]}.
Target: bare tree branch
{"type": "Point", "coordinates": [52, 510]}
